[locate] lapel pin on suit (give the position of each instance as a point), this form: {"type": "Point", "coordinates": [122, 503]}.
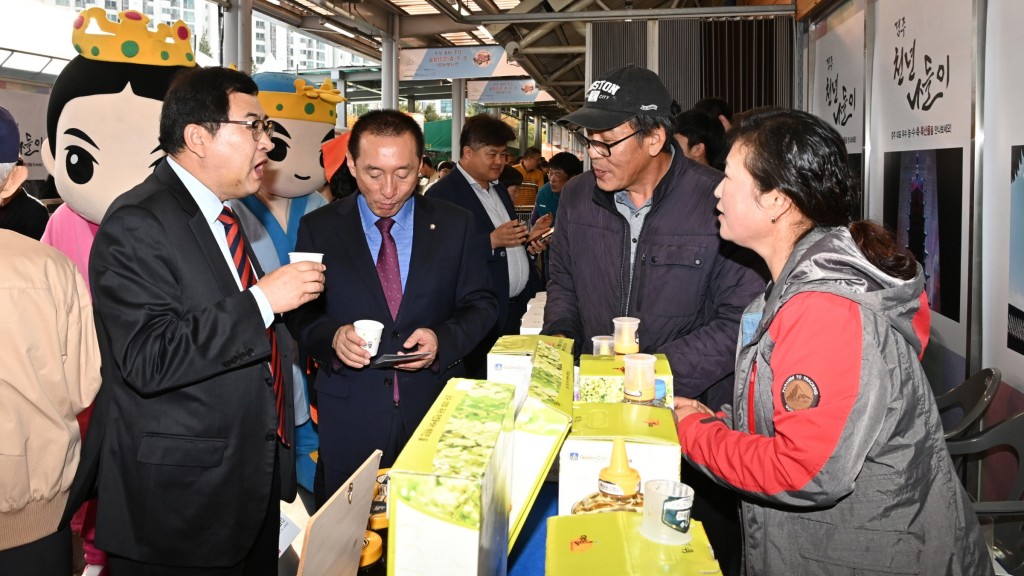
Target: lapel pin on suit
{"type": "Point", "coordinates": [432, 226]}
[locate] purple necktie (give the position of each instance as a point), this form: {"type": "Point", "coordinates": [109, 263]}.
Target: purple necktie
{"type": "Point", "coordinates": [390, 276]}
{"type": "Point", "coordinates": [387, 266]}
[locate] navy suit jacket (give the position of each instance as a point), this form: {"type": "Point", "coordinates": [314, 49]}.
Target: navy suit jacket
{"type": "Point", "coordinates": [456, 189]}
{"type": "Point", "coordinates": [182, 441]}
{"type": "Point", "coordinates": [446, 291]}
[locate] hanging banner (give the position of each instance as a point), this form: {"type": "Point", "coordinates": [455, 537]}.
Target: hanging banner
{"type": "Point", "coordinates": [510, 91]}
{"type": "Point", "coordinates": [1002, 238]}
{"type": "Point", "coordinates": [29, 110]}
{"type": "Point", "coordinates": [920, 174]}
{"type": "Point", "coordinates": [456, 62]}
{"type": "Point", "coordinates": [839, 74]}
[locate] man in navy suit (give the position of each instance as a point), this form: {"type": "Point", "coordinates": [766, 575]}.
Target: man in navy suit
{"type": "Point", "coordinates": [475, 185]}
{"type": "Point", "coordinates": [443, 307]}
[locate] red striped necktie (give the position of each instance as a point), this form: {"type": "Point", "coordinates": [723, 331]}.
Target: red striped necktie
{"type": "Point", "coordinates": [240, 257]}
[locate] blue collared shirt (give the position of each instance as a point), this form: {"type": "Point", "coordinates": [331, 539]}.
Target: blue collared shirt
{"type": "Point", "coordinates": [401, 232]}
{"type": "Point", "coordinates": [211, 207]}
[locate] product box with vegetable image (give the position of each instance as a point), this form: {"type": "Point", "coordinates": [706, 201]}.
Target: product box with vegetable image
{"type": "Point", "coordinates": [651, 445]}
{"type": "Point", "coordinates": [449, 488]}
{"type": "Point", "coordinates": [541, 426]}
{"type": "Point", "coordinates": [510, 360]}
{"type": "Point", "coordinates": [602, 378]}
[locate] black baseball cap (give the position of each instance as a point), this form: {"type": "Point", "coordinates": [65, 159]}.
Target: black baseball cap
{"type": "Point", "coordinates": [621, 95]}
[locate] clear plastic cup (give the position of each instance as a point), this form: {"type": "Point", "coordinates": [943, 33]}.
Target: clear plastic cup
{"type": "Point", "coordinates": [369, 330]}
{"type": "Point", "coordinates": [626, 339]}
{"type": "Point", "coordinates": [666, 517]}
{"type": "Point", "coordinates": [294, 257]}
{"type": "Point", "coordinates": [603, 345]}
{"type": "Point", "coordinates": [639, 378]}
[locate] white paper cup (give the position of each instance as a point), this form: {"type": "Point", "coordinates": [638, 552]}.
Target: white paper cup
{"type": "Point", "coordinates": [294, 257]}
{"type": "Point", "coordinates": [369, 330]}
{"type": "Point", "coordinates": [667, 506]}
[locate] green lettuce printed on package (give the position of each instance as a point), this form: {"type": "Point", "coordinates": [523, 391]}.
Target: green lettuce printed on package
{"type": "Point", "coordinates": [450, 489]}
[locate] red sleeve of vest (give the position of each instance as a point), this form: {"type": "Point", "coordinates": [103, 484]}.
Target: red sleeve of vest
{"type": "Point", "coordinates": [818, 339]}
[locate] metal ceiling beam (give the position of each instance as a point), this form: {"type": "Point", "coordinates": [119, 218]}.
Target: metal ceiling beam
{"type": "Point", "coordinates": [431, 24]}
{"type": "Point", "coordinates": [515, 51]}
{"type": "Point", "coordinates": [577, 61]}
{"type": "Point", "coordinates": [639, 14]}
{"type": "Point", "coordinates": [542, 30]}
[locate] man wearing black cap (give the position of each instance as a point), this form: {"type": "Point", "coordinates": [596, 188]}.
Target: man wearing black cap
{"type": "Point", "coordinates": [19, 212]}
{"type": "Point", "coordinates": [637, 236]}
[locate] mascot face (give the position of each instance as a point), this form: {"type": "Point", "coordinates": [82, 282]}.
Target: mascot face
{"type": "Point", "coordinates": [103, 116]}
{"type": "Point", "coordinates": [296, 165]}
{"type": "Point", "coordinates": [104, 145]}
{"type": "Point", "coordinates": [305, 117]}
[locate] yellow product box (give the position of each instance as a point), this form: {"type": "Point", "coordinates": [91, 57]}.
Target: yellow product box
{"type": "Point", "coordinates": [602, 378]}
{"type": "Point", "coordinates": [609, 544]}
{"type": "Point", "coordinates": [651, 445]}
{"type": "Point", "coordinates": [540, 427]}
{"type": "Point", "coordinates": [450, 489]}
{"type": "Point", "coordinates": [510, 360]}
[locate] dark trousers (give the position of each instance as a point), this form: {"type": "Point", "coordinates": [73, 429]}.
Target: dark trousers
{"type": "Point", "coordinates": [718, 510]}
{"type": "Point", "coordinates": [48, 556]}
{"type": "Point", "coordinates": [261, 560]}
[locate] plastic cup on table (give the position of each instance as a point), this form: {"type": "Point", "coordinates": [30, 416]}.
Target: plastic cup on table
{"type": "Point", "coordinates": [603, 345]}
{"type": "Point", "coordinates": [626, 340]}
{"type": "Point", "coordinates": [666, 517]}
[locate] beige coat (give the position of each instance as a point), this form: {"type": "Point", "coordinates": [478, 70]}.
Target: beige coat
{"type": "Point", "coordinates": [49, 372]}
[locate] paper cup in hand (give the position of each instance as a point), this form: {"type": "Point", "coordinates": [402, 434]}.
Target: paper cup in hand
{"type": "Point", "coordinates": [369, 330]}
{"type": "Point", "coordinates": [294, 257]}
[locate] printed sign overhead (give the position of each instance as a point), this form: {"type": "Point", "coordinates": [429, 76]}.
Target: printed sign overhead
{"type": "Point", "coordinates": [839, 76]}
{"type": "Point", "coordinates": [510, 91]}
{"type": "Point", "coordinates": [456, 62]}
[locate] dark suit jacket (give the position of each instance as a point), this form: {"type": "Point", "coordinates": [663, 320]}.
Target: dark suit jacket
{"type": "Point", "coordinates": [446, 290]}
{"type": "Point", "coordinates": [456, 189]}
{"type": "Point", "coordinates": [183, 435]}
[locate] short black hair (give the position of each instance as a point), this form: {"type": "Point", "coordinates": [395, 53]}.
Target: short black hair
{"type": "Point", "coordinates": [427, 161]}
{"type": "Point", "coordinates": [384, 123]}
{"type": "Point", "coordinates": [702, 129]}
{"type": "Point", "coordinates": [200, 96]}
{"type": "Point", "coordinates": [645, 125]}
{"type": "Point", "coordinates": [566, 162]}
{"type": "Point", "coordinates": [714, 107]}
{"type": "Point", "coordinates": [531, 152]}
{"type": "Point", "coordinates": [485, 130]}
{"type": "Point", "coordinates": [510, 176]}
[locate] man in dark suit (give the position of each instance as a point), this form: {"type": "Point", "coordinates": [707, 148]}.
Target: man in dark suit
{"type": "Point", "coordinates": [192, 453]}
{"type": "Point", "coordinates": [474, 184]}
{"type": "Point", "coordinates": [407, 261]}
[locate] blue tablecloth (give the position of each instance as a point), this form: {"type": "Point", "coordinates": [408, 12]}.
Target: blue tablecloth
{"type": "Point", "coordinates": [527, 556]}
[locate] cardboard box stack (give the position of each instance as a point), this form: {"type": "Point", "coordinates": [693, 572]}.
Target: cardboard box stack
{"type": "Point", "coordinates": [651, 444]}
{"type": "Point", "coordinates": [602, 378]}
{"type": "Point", "coordinates": [450, 489]}
{"type": "Point", "coordinates": [540, 427]}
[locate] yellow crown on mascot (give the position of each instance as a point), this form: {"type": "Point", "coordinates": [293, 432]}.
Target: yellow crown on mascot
{"type": "Point", "coordinates": [306, 103]}
{"type": "Point", "coordinates": [130, 40]}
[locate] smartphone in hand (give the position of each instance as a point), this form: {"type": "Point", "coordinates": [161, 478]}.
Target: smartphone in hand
{"type": "Point", "coordinates": [544, 237]}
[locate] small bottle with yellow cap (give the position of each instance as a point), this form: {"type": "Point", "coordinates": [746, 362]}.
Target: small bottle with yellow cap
{"type": "Point", "coordinates": [618, 486]}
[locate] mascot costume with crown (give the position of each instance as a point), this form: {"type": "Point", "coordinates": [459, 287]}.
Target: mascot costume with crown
{"type": "Point", "coordinates": [102, 125]}
{"type": "Point", "coordinates": [304, 117]}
